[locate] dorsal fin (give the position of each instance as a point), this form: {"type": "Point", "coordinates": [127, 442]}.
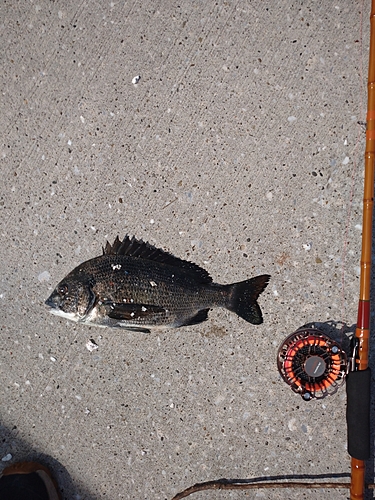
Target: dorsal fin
{"type": "Point", "coordinates": [142, 250]}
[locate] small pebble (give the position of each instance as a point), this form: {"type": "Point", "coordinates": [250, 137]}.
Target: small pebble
{"type": "Point", "coordinates": [44, 276]}
{"type": "Point", "coordinates": [91, 345]}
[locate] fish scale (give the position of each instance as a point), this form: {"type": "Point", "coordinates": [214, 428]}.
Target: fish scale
{"type": "Point", "coordinates": [145, 282]}
{"type": "Point", "coordinates": [137, 286]}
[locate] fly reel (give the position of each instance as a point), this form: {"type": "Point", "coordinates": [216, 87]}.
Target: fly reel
{"type": "Point", "coordinates": [311, 363]}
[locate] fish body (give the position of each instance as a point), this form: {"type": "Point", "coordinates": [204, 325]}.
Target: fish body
{"type": "Point", "coordinates": [136, 286]}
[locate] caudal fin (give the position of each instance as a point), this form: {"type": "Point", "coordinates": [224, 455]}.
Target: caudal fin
{"type": "Point", "coordinates": [243, 298]}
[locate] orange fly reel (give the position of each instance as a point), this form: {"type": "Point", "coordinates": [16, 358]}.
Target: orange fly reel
{"type": "Point", "coordinates": [311, 363]}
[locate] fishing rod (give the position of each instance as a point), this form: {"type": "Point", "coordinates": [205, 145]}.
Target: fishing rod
{"type": "Point", "coordinates": [314, 365]}
{"type": "Point", "coordinates": [359, 379]}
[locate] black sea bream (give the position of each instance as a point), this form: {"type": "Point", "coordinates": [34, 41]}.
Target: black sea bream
{"type": "Point", "coordinates": [136, 286]}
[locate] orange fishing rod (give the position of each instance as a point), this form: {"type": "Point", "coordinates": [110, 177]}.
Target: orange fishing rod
{"type": "Point", "coordinates": [358, 381]}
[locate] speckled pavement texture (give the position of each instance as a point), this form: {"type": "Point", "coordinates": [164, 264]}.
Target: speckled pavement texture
{"type": "Point", "coordinates": [239, 149]}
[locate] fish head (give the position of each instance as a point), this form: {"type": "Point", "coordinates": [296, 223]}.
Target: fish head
{"type": "Point", "coordinates": [73, 297]}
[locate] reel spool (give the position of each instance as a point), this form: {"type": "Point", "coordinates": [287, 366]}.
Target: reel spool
{"type": "Point", "coordinates": [311, 363]}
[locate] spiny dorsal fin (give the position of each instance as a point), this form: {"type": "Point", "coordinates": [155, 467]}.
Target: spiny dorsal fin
{"type": "Point", "coordinates": [142, 250]}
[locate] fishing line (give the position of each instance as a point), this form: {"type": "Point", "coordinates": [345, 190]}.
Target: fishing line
{"type": "Point", "coordinates": [254, 484]}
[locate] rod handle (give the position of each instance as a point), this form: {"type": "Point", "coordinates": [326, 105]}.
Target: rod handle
{"type": "Point", "coordinates": [358, 413]}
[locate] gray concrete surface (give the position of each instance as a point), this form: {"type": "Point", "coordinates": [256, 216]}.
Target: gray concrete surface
{"type": "Point", "coordinates": [238, 149]}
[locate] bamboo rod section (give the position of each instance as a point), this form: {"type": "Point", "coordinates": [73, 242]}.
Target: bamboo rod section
{"type": "Point", "coordinates": [363, 322]}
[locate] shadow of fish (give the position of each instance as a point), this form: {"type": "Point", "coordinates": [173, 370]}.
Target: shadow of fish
{"type": "Point", "coordinates": [136, 286]}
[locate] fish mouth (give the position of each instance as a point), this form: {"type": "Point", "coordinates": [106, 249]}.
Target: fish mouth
{"type": "Point", "coordinates": [57, 311]}
{"type": "Point", "coordinates": [62, 314]}
{"type": "Point", "coordinates": [50, 303]}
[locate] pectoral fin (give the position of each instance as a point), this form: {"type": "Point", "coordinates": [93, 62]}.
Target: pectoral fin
{"type": "Point", "coordinates": [129, 312]}
{"type": "Point", "coordinates": [135, 329]}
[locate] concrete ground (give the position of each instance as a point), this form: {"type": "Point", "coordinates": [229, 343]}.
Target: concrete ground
{"type": "Point", "coordinates": [239, 149]}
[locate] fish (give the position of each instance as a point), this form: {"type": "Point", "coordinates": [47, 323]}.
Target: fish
{"type": "Point", "coordinates": [136, 286]}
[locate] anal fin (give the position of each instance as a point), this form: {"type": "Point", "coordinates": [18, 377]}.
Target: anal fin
{"type": "Point", "coordinates": [201, 316]}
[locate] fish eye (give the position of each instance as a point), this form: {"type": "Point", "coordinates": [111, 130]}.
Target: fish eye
{"type": "Point", "coordinates": [63, 289]}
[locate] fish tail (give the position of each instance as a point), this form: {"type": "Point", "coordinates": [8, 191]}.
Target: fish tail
{"type": "Point", "coordinates": [243, 298]}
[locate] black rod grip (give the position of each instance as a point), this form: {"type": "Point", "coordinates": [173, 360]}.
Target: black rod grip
{"type": "Point", "coordinates": [358, 413]}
